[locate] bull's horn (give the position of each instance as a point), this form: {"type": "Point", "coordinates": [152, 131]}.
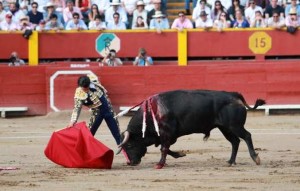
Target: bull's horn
{"type": "Point", "coordinates": [126, 137]}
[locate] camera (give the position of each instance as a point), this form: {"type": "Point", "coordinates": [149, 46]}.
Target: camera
{"type": "Point", "coordinates": [13, 59]}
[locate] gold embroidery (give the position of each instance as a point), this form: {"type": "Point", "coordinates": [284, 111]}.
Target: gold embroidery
{"type": "Point", "coordinates": [80, 94]}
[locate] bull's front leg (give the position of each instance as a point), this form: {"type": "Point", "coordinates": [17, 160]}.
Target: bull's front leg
{"type": "Point", "coordinates": [164, 151]}
{"type": "Point", "coordinates": [166, 133]}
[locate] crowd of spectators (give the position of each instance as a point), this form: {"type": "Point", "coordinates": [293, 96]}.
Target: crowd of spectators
{"type": "Point", "coordinates": [43, 15]}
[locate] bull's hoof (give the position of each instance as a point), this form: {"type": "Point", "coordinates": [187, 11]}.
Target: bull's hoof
{"type": "Point", "coordinates": [257, 160]}
{"type": "Point", "coordinates": [159, 166]}
{"type": "Point", "coordinates": [230, 164]}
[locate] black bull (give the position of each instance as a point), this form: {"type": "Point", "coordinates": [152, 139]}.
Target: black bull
{"type": "Point", "coordinates": [180, 113]}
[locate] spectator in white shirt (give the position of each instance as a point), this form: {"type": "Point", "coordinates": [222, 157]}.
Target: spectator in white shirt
{"type": "Point", "coordinates": [115, 7]}
{"type": "Point", "coordinates": [204, 21]}
{"type": "Point", "coordinates": [116, 24]}
{"type": "Point", "coordinates": [250, 11]}
{"type": "Point", "coordinates": [97, 24]}
{"type": "Point", "coordinates": [8, 24]}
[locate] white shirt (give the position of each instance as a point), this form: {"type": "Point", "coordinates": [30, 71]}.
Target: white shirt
{"type": "Point", "coordinates": [113, 26]}
{"type": "Point", "coordinates": [203, 24]}
{"type": "Point", "coordinates": [93, 25]}
{"type": "Point", "coordinates": [8, 27]}
{"type": "Point", "coordinates": [2, 15]}
{"type": "Point", "coordinates": [110, 12]}
{"type": "Point", "coordinates": [250, 13]}
{"type": "Point", "coordinates": [280, 23]}
{"type": "Point", "coordinates": [129, 5]}
{"type": "Point", "coordinates": [197, 10]}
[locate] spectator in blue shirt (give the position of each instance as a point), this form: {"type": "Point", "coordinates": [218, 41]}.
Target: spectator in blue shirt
{"type": "Point", "coordinates": [159, 22]}
{"type": "Point", "coordinates": [76, 23]}
{"type": "Point", "coordinates": [143, 59]}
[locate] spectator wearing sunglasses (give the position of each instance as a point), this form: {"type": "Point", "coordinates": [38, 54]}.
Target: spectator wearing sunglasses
{"type": "Point", "coordinates": [76, 23]}
{"type": "Point", "coordinates": [182, 22]}
{"type": "Point", "coordinates": [276, 21]}
{"type": "Point", "coordinates": [250, 11]}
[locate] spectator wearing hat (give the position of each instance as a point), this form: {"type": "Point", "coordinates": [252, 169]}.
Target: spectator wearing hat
{"type": "Point", "coordinates": [34, 15]}
{"type": "Point", "coordinates": [41, 27]}
{"type": "Point", "coordinates": [54, 24]}
{"type": "Point", "coordinates": [142, 58]}
{"type": "Point", "coordinates": [140, 23]}
{"type": "Point", "coordinates": [76, 23]}
{"type": "Point", "coordinates": [8, 24]}
{"type": "Point", "coordinates": [202, 7]}
{"type": "Point", "coordinates": [116, 24]}
{"type": "Point", "coordinates": [97, 24]}
{"type": "Point", "coordinates": [140, 11]}
{"type": "Point", "coordinates": [70, 10]}
{"type": "Point", "coordinates": [182, 22]}
{"type": "Point", "coordinates": [276, 21]}
{"type": "Point", "coordinates": [157, 7]}
{"type": "Point", "coordinates": [2, 12]}
{"type": "Point", "coordinates": [129, 6]}
{"type": "Point", "coordinates": [239, 21]}
{"type": "Point", "coordinates": [292, 21]}
{"type": "Point", "coordinates": [115, 7]}
{"type": "Point", "coordinates": [293, 5]}
{"type": "Point", "coordinates": [159, 22]}
{"type": "Point", "coordinates": [51, 9]}
{"type": "Point", "coordinates": [24, 24]}
{"type": "Point", "coordinates": [250, 11]}
{"type": "Point", "coordinates": [273, 7]}
{"type": "Point", "coordinates": [204, 21]}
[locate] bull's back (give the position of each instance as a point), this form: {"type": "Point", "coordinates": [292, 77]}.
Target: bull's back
{"type": "Point", "coordinates": [193, 111]}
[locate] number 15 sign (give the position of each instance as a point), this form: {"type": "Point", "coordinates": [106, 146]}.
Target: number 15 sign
{"type": "Point", "coordinates": [260, 43]}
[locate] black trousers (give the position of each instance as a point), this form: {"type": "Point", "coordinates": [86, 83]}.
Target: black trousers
{"type": "Point", "coordinates": [105, 112]}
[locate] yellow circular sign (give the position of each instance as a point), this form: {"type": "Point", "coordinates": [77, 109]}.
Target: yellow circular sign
{"type": "Point", "coordinates": [260, 43]}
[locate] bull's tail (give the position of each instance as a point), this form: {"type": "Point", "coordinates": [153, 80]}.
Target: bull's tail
{"type": "Point", "coordinates": [258, 102]}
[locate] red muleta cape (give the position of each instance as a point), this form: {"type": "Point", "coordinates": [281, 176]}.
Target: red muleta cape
{"type": "Point", "coordinates": [75, 147]}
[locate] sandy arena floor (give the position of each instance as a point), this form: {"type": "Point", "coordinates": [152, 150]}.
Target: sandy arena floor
{"type": "Point", "coordinates": [276, 138]}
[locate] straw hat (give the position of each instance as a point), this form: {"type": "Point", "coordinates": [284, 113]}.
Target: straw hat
{"type": "Point", "coordinates": [49, 4]}
{"type": "Point", "coordinates": [158, 14]}
{"type": "Point", "coordinates": [140, 3]}
{"type": "Point", "coordinates": [24, 17]}
{"type": "Point", "coordinates": [293, 12]}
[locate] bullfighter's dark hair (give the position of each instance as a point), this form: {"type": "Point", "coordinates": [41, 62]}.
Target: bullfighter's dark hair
{"type": "Point", "coordinates": [84, 81]}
